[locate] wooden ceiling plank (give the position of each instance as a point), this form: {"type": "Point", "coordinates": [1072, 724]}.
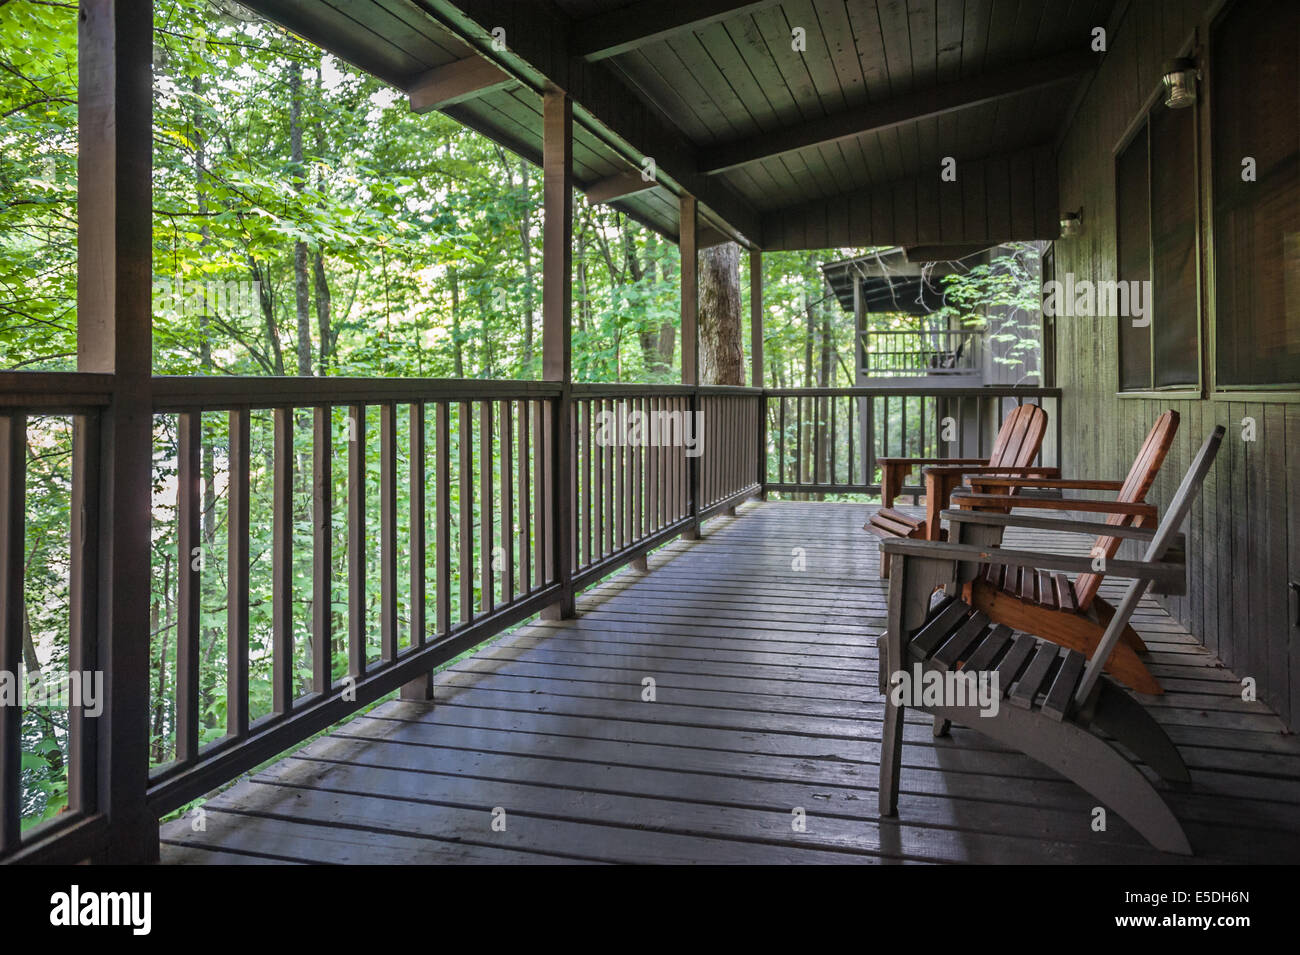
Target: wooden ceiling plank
{"type": "Point", "coordinates": [901, 110]}
{"type": "Point", "coordinates": [651, 21]}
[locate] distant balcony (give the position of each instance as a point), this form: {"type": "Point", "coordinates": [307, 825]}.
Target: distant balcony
{"type": "Point", "coordinates": [952, 357]}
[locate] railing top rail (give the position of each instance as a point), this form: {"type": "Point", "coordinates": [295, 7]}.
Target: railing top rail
{"type": "Point", "coordinates": [974, 391]}
{"type": "Point", "coordinates": [630, 389]}
{"type": "Point", "coordinates": [175, 393]}
{"type": "Point", "coordinates": [54, 391]}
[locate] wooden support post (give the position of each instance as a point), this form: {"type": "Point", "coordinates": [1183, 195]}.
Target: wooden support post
{"type": "Point", "coordinates": [756, 361]}
{"type": "Point", "coordinates": [688, 247]}
{"type": "Point", "coordinates": [115, 335]}
{"type": "Point", "coordinates": [557, 301]}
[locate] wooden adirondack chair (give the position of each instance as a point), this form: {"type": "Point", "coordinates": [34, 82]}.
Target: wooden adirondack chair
{"type": "Point", "coordinates": [1055, 706]}
{"type": "Point", "coordinates": [1071, 612]}
{"type": "Point", "coordinates": [1017, 444]}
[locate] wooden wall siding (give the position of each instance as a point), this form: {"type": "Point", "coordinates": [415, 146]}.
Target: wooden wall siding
{"type": "Point", "coordinates": [1245, 532]}
{"type": "Point", "coordinates": [1000, 199]}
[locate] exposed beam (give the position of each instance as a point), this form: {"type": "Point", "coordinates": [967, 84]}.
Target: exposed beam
{"type": "Point", "coordinates": [616, 187]}
{"type": "Point", "coordinates": [625, 29]}
{"type": "Point", "coordinates": [995, 199]}
{"type": "Point", "coordinates": [944, 253]}
{"type": "Point", "coordinates": [537, 51]}
{"type": "Point", "coordinates": [902, 109]}
{"type": "Point", "coordinates": [456, 82]}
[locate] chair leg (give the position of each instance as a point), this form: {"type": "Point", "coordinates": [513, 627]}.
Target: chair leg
{"type": "Point", "coordinates": [891, 757]}
{"type": "Point", "coordinates": [1119, 715]}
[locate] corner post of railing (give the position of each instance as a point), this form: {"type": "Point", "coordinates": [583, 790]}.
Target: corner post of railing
{"type": "Point", "coordinates": [115, 335]}
{"type": "Point", "coordinates": [557, 363]}
{"type": "Point", "coordinates": [688, 246]}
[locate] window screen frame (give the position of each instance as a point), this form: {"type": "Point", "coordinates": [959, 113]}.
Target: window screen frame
{"type": "Point", "coordinates": [1140, 126]}
{"type": "Point", "coordinates": [1220, 391]}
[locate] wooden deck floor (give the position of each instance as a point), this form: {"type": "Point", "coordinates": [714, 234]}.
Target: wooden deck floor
{"type": "Point", "coordinates": [765, 701]}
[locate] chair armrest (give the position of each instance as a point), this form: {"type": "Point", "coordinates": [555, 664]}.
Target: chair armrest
{"type": "Point", "coordinates": [915, 461]}
{"type": "Point", "coordinates": [1159, 572]}
{"type": "Point", "coordinates": [1053, 504]}
{"type": "Point", "coordinates": [998, 469]}
{"type": "Point", "coordinates": [1049, 482]}
{"type": "Point", "coordinates": [1089, 528]}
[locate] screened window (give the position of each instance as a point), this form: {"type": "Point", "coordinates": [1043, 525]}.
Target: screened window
{"type": "Point", "coordinates": [1255, 80]}
{"type": "Point", "coordinates": [1155, 188]}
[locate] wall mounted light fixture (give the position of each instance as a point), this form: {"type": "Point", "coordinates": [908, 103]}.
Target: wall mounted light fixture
{"type": "Point", "coordinates": [1071, 224]}
{"type": "Point", "coordinates": [1180, 78]}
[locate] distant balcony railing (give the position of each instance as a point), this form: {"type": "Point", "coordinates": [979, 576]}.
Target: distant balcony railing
{"type": "Point", "coordinates": [828, 440]}
{"type": "Point", "coordinates": [908, 354]}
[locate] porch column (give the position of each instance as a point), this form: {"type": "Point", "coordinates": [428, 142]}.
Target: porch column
{"type": "Point", "coordinates": [115, 336]}
{"type": "Point", "coordinates": [756, 358]}
{"type": "Point", "coordinates": [557, 364]}
{"type": "Point", "coordinates": [688, 247]}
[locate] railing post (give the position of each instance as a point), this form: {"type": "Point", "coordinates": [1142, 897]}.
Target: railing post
{"type": "Point", "coordinates": [756, 362]}
{"type": "Point", "coordinates": [115, 335]}
{"type": "Point", "coordinates": [557, 301]}
{"type": "Point", "coordinates": [688, 247]}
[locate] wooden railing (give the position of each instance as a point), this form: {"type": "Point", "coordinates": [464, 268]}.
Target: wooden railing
{"type": "Point", "coordinates": [827, 440]}
{"type": "Point", "coordinates": [29, 404]}
{"type": "Point", "coordinates": [335, 540]}
{"type": "Point", "coordinates": [329, 541]}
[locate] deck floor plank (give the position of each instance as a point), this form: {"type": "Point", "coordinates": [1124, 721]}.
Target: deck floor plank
{"type": "Point", "coordinates": [765, 704]}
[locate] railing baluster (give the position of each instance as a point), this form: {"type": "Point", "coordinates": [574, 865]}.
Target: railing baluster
{"type": "Point", "coordinates": [415, 468]}
{"type": "Point", "coordinates": [442, 506]}
{"type": "Point", "coordinates": [237, 577]}
{"type": "Point", "coordinates": [540, 507]}
{"type": "Point", "coordinates": [486, 509]}
{"type": "Point", "coordinates": [13, 524]}
{"type": "Point", "coordinates": [189, 497]}
{"type": "Point", "coordinates": [507, 503]}
{"type": "Point", "coordinates": [584, 476]}
{"type": "Point", "coordinates": [465, 528]}
{"type": "Point", "coordinates": [388, 531]}
{"type": "Point", "coordinates": [282, 563]}
{"type": "Point", "coordinates": [322, 557]}
{"type": "Point", "coordinates": [525, 509]}
{"type": "Point", "coordinates": [356, 540]}
{"type": "Point", "coordinates": [610, 477]}
{"type": "Point", "coordinates": [84, 603]}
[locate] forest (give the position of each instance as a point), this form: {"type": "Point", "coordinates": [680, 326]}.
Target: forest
{"type": "Point", "coordinates": [308, 223]}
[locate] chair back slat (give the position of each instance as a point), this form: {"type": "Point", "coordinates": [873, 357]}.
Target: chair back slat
{"type": "Point", "coordinates": [1178, 510]}
{"type": "Point", "coordinates": [1020, 437]}
{"type": "Point", "coordinates": [1134, 491]}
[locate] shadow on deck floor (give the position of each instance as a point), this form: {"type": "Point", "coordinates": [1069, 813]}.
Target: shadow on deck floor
{"type": "Point", "coordinates": [765, 701]}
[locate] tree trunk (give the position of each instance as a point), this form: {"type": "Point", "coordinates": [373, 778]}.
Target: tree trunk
{"type": "Point", "coordinates": [301, 289]}
{"type": "Point", "coordinates": [321, 282]}
{"type": "Point", "coordinates": [721, 356]}
{"type": "Point", "coordinates": [455, 325]}
{"type": "Point", "coordinates": [526, 247]}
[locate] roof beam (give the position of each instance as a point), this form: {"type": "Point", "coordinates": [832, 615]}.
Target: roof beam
{"type": "Point", "coordinates": [616, 187]}
{"type": "Point", "coordinates": [455, 83]}
{"type": "Point", "coordinates": [902, 109]}
{"type": "Point", "coordinates": [536, 50]}
{"type": "Point", "coordinates": [626, 29]}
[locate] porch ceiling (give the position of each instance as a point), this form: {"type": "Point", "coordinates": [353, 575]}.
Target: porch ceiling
{"type": "Point", "coordinates": [760, 133]}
